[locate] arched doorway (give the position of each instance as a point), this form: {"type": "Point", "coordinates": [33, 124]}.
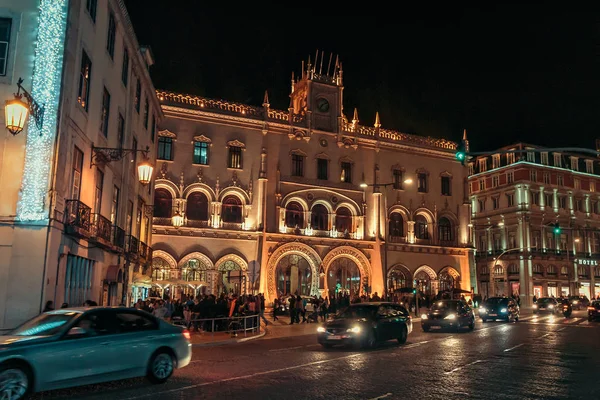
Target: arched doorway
{"type": "Point", "coordinates": [162, 273]}
{"type": "Point", "coordinates": [397, 279]}
{"type": "Point", "coordinates": [232, 279]}
{"type": "Point", "coordinates": [447, 283]}
{"type": "Point", "coordinates": [293, 275]}
{"type": "Point", "coordinates": [163, 203]}
{"type": "Point", "coordinates": [343, 277]}
{"type": "Point", "coordinates": [424, 280]}
{"type": "Point", "coordinates": [194, 272]}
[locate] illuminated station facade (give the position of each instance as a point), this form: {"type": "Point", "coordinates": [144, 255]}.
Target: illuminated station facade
{"type": "Point", "coordinates": [75, 222]}
{"type": "Point", "coordinates": [536, 222]}
{"type": "Point", "coordinates": [305, 200]}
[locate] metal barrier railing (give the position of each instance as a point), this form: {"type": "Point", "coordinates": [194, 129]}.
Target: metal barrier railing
{"type": "Point", "coordinates": [233, 325]}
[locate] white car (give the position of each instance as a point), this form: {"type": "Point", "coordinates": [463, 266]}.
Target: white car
{"type": "Point", "coordinates": [82, 346]}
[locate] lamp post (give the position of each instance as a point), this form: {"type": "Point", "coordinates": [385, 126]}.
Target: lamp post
{"type": "Point", "coordinates": [16, 110]}
{"type": "Point", "coordinates": [105, 155]}
{"type": "Point", "coordinates": [376, 187]}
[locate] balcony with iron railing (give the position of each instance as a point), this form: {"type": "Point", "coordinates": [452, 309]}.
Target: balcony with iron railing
{"type": "Point", "coordinates": [118, 238]}
{"type": "Point", "coordinates": [78, 218]}
{"type": "Point", "coordinates": [143, 251]}
{"type": "Point", "coordinates": [132, 246]}
{"type": "Point", "coordinates": [101, 230]}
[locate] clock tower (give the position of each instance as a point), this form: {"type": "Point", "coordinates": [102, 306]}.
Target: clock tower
{"type": "Point", "coordinates": [317, 94]}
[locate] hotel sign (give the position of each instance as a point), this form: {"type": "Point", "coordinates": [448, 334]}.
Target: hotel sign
{"type": "Point", "coordinates": [582, 261]}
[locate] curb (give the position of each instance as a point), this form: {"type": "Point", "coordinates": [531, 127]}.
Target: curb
{"type": "Point", "coordinates": [230, 341]}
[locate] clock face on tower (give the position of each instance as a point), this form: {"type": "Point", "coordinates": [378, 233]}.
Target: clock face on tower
{"type": "Point", "coordinates": [322, 105]}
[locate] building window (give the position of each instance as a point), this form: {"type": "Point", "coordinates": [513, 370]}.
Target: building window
{"type": "Point", "coordinates": [471, 171]}
{"type": "Point", "coordinates": [592, 186]}
{"type": "Point", "coordinates": [114, 208]}
{"type": "Point", "coordinates": [98, 193]}
{"type": "Point", "coordinates": [197, 207]}
{"type": "Point", "coordinates": [548, 197]}
{"type": "Point", "coordinates": [495, 203]}
{"type": "Point", "coordinates": [84, 80]}
{"type": "Point", "coordinates": [496, 161]}
{"type": "Point", "coordinates": [346, 172]}
{"type": "Point", "coordinates": [510, 158]}
{"type": "Point", "coordinates": [445, 229]}
{"type": "Point", "coordinates": [234, 159]}
{"type": "Point", "coordinates": [5, 28]}
{"type": "Point", "coordinates": [121, 130]}
{"type": "Point", "coordinates": [163, 203]}
{"type": "Point", "coordinates": [201, 153]}
{"type": "Point", "coordinates": [343, 220]}
{"type": "Point", "coordinates": [481, 205]}
{"type": "Point", "coordinates": [294, 215]}
{"type": "Point", "coordinates": [446, 186]}
{"type": "Point", "coordinates": [577, 183]}
{"type": "Point", "coordinates": [421, 227]}
{"type": "Point", "coordinates": [125, 67]}
{"type": "Point", "coordinates": [112, 33]}
{"type": "Point", "coordinates": [510, 177]}
{"type": "Point", "coordinates": [134, 145]}
{"type": "Point", "coordinates": [297, 165]}
{"type": "Point", "coordinates": [495, 181]}
{"type": "Point", "coordinates": [510, 200]}
{"type": "Point", "coordinates": [557, 160]}
{"type": "Point", "coordinates": [129, 221]}
{"type": "Point", "coordinates": [76, 174]}
{"type": "Point", "coordinates": [546, 178]}
{"type": "Point", "coordinates": [91, 6]}
{"type": "Point", "coordinates": [165, 148]}
{"type": "Point", "coordinates": [533, 175]}
{"type": "Point", "coordinates": [322, 169]}
{"type": "Point", "coordinates": [232, 210]}
{"type": "Point", "coordinates": [105, 112]}
{"type": "Point", "coordinates": [138, 95]}
{"type": "Point", "coordinates": [320, 217]}
{"type": "Point", "coordinates": [146, 112]}
{"type": "Point", "coordinates": [594, 206]}
{"type": "Point", "coordinates": [396, 225]}
{"type": "Point", "coordinates": [544, 158]}
{"type": "Point", "coordinates": [422, 182]}
{"type": "Point", "coordinates": [563, 202]}
{"type": "Point", "coordinates": [482, 184]}
{"type": "Point", "coordinates": [535, 198]}
{"type": "Point", "coordinates": [575, 163]}
{"type": "Point", "coordinates": [589, 166]}
{"type": "Point", "coordinates": [579, 205]}
{"type": "Point", "coordinates": [560, 180]}
{"type": "Point", "coordinates": [530, 156]}
{"type": "Point", "coordinates": [153, 132]}
{"type": "Point", "coordinates": [397, 175]}
{"type": "Point", "coordinates": [483, 165]}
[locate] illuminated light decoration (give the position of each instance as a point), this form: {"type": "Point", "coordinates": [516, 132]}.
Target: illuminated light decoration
{"type": "Point", "coordinates": [46, 81]}
{"type": "Point", "coordinates": [145, 170]}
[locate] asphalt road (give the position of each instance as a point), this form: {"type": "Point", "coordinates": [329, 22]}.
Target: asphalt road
{"type": "Point", "coordinates": [535, 358]}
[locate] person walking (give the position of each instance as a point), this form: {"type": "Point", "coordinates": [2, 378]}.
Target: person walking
{"type": "Point", "coordinates": [275, 308]}
{"type": "Point", "coordinates": [260, 300]}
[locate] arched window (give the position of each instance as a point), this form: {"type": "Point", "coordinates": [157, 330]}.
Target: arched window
{"type": "Point", "coordinates": [294, 215]}
{"type": "Point", "coordinates": [194, 270]}
{"type": "Point", "coordinates": [197, 207]}
{"type": "Point", "coordinates": [421, 227]}
{"type": "Point", "coordinates": [396, 280]}
{"type": "Point", "coordinates": [551, 270]}
{"type": "Point", "coordinates": [538, 269]}
{"type": "Point", "coordinates": [446, 282]}
{"type": "Point", "coordinates": [161, 269]}
{"type": "Point", "coordinates": [343, 220]}
{"type": "Point", "coordinates": [163, 203]}
{"type": "Point", "coordinates": [396, 225]}
{"type": "Point", "coordinates": [320, 218]}
{"type": "Point", "coordinates": [231, 209]}
{"type": "Point", "coordinates": [564, 271]}
{"type": "Point", "coordinates": [445, 229]}
{"type": "Point", "coordinates": [484, 270]}
{"type": "Point", "coordinates": [513, 269]}
{"type": "Point", "coordinates": [498, 270]}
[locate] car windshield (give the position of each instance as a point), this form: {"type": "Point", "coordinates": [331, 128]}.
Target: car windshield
{"type": "Point", "coordinates": [494, 301]}
{"type": "Point", "coordinates": [356, 312]}
{"type": "Point", "coordinates": [545, 300]}
{"type": "Point", "coordinates": [46, 324]}
{"type": "Point", "coordinates": [444, 305]}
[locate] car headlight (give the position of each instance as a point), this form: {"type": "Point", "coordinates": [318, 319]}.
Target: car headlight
{"type": "Point", "coordinates": [355, 329]}
{"type": "Point", "coordinates": [423, 316]}
{"type": "Point", "coordinates": [321, 329]}
{"type": "Point", "coordinates": [535, 306]}
{"type": "Point", "coordinates": [504, 310]}
{"type": "Point", "coordinates": [576, 302]}
{"type": "Point", "coordinates": [482, 309]}
{"type": "Point", "coordinates": [450, 316]}
{"type": "Point", "coordinates": [551, 306]}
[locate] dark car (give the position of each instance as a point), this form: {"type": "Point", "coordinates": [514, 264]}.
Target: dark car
{"type": "Point", "coordinates": [365, 325]}
{"type": "Point", "coordinates": [453, 314]}
{"type": "Point", "coordinates": [546, 305]}
{"type": "Point", "coordinates": [579, 302]}
{"type": "Point", "coordinates": [594, 310]}
{"type": "Point", "coordinates": [503, 308]}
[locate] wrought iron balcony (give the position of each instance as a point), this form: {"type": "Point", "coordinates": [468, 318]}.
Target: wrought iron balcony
{"type": "Point", "coordinates": [234, 226]}
{"type": "Point", "coordinates": [160, 221]}
{"type": "Point", "coordinates": [101, 230]}
{"type": "Point", "coordinates": [397, 239]}
{"type": "Point", "coordinates": [78, 218]}
{"type": "Point", "coordinates": [192, 223]}
{"type": "Point", "coordinates": [143, 248]}
{"type": "Point", "coordinates": [132, 245]}
{"type": "Point", "coordinates": [118, 238]}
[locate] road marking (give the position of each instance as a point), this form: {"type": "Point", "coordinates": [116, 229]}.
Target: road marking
{"type": "Point", "coordinates": [512, 348]}
{"type": "Point", "coordinates": [383, 396]}
{"type": "Point", "coordinates": [287, 348]}
{"type": "Point", "coordinates": [464, 366]}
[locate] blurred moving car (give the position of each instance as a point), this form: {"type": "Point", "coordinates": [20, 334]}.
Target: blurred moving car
{"type": "Point", "coordinates": [594, 310]}
{"type": "Point", "coordinates": [82, 346]}
{"type": "Point", "coordinates": [546, 305]}
{"type": "Point", "coordinates": [579, 302]}
{"type": "Point", "coordinates": [503, 308]}
{"type": "Point", "coordinates": [365, 325]}
{"type": "Point", "coordinates": [453, 314]}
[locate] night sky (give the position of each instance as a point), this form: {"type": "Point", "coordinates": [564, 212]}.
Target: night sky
{"type": "Point", "coordinates": [506, 74]}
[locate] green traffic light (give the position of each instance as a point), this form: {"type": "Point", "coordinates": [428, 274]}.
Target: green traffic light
{"type": "Point", "coordinates": [460, 156]}
{"type": "Point", "coordinates": [557, 229]}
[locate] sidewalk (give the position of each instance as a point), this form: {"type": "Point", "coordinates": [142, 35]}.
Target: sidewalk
{"type": "Point", "coordinates": [210, 339]}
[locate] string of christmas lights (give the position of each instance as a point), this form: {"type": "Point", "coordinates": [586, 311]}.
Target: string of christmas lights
{"type": "Point", "coordinates": [46, 91]}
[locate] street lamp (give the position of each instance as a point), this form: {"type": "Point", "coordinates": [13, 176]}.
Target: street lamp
{"type": "Point", "coordinates": [105, 155]}
{"type": "Point", "coordinates": [16, 110]}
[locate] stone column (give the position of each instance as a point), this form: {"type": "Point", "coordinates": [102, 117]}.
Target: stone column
{"type": "Point", "coordinates": [410, 235]}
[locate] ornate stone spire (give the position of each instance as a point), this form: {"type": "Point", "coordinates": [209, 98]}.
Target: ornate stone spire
{"type": "Point", "coordinates": [377, 121]}
{"type": "Point", "coordinates": [266, 100]}
{"type": "Point", "coordinates": [355, 117]}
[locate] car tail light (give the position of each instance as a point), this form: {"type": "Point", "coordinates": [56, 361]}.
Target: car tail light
{"type": "Point", "coordinates": [186, 334]}
{"type": "Point", "coordinates": [591, 308]}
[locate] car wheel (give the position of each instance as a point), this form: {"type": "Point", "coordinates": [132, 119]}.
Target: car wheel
{"type": "Point", "coordinates": [472, 325]}
{"type": "Point", "coordinates": [425, 328]}
{"type": "Point", "coordinates": [161, 367]}
{"type": "Point", "coordinates": [403, 335]}
{"type": "Point", "coordinates": [15, 382]}
{"type": "Point", "coordinates": [370, 341]}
